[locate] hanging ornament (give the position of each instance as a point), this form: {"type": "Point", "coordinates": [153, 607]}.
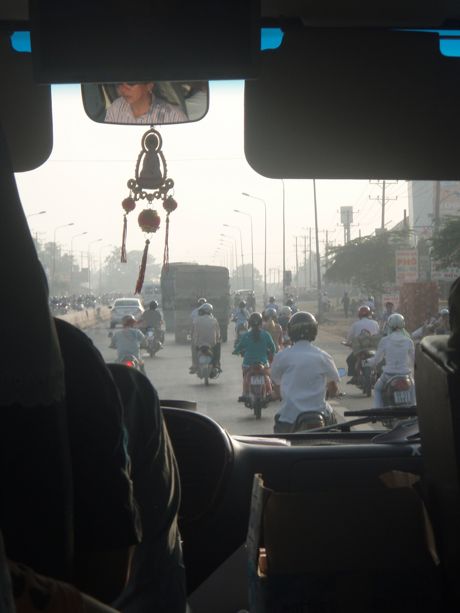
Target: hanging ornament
{"type": "Point", "coordinates": [169, 205]}
{"type": "Point", "coordinates": [128, 205]}
{"type": "Point", "coordinates": [149, 221]}
{"type": "Point", "coordinates": [150, 183]}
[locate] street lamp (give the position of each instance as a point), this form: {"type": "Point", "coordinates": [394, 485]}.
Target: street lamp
{"type": "Point", "coordinates": [97, 240]}
{"type": "Point", "coordinates": [71, 257]}
{"type": "Point", "coordinates": [284, 243]}
{"type": "Point", "coordinates": [65, 225]}
{"type": "Point", "coordinates": [252, 246]}
{"type": "Point", "coordinates": [235, 251]}
{"type": "Point", "coordinates": [241, 246]}
{"type": "Point", "coordinates": [265, 248]}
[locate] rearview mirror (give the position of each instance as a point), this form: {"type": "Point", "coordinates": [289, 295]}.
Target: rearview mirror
{"type": "Point", "coordinates": [146, 103]}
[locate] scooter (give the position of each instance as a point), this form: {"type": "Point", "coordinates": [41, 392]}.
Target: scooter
{"type": "Point", "coordinates": [259, 389]}
{"type": "Point", "coordinates": [152, 342]}
{"type": "Point", "coordinates": [131, 361]}
{"type": "Point", "coordinates": [398, 391]}
{"type": "Point", "coordinates": [308, 420]}
{"type": "Point", "coordinates": [206, 370]}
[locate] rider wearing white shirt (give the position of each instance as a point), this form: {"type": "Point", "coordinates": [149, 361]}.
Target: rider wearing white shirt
{"type": "Point", "coordinates": [398, 351]}
{"type": "Point", "coordinates": [304, 373]}
{"type": "Point", "coordinates": [363, 324]}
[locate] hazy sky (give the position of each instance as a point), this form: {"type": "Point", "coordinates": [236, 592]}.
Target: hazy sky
{"type": "Point", "coordinates": [84, 182]}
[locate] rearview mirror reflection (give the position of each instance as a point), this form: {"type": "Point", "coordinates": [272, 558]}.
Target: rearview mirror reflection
{"type": "Point", "coordinates": [147, 103]}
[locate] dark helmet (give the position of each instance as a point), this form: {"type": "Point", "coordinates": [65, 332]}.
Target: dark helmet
{"type": "Point", "coordinates": [364, 311]}
{"type": "Point", "coordinates": [202, 301]}
{"type": "Point", "coordinates": [255, 320]}
{"type": "Point", "coordinates": [242, 304]}
{"type": "Point", "coordinates": [153, 305]}
{"type": "Point", "coordinates": [289, 302]}
{"type": "Point", "coordinates": [272, 299]}
{"type": "Point", "coordinates": [302, 326]}
{"type": "Point", "coordinates": [205, 309]}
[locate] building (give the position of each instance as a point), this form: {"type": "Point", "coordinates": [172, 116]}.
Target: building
{"type": "Point", "coordinates": [431, 200]}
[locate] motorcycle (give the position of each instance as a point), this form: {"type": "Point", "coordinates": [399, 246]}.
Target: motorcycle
{"type": "Point", "coordinates": [259, 389]}
{"type": "Point", "coordinates": [241, 329]}
{"type": "Point", "coordinates": [131, 361]}
{"type": "Point", "coordinates": [152, 342]}
{"type": "Point", "coordinates": [397, 392]}
{"type": "Point", "coordinates": [206, 369]}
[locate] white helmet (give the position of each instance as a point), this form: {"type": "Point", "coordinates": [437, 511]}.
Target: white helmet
{"type": "Point", "coordinates": [396, 321]}
{"type": "Point", "coordinates": [285, 311]}
{"type": "Point", "coordinates": [444, 312]}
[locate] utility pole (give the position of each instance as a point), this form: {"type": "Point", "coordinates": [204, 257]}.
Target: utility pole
{"type": "Point", "coordinates": [437, 203]}
{"type": "Point", "coordinates": [296, 264]}
{"type": "Point", "coordinates": [383, 198]}
{"type": "Point", "coordinates": [318, 262]}
{"type": "Point", "coordinates": [309, 260]}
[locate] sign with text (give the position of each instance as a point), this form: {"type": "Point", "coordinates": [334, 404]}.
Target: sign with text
{"type": "Point", "coordinates": [444, 274]}
{"type": "Point", "coordinates": [406, 266]}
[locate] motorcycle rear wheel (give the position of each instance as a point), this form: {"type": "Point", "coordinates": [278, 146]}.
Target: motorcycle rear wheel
{"type": "Point", "coordinates": [257, 408]}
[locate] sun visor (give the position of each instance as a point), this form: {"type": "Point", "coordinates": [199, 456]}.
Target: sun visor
{"type": "Point", "coordinates": [355, 104]}
{"type": "Point", "coordinates": [25, 108]}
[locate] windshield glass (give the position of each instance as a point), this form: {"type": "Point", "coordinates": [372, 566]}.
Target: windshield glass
{"type": "Point", "coordinates": [235, 232]}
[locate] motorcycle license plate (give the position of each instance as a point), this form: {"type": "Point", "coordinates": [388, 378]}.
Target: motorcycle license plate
{"type": "Point", "coordinates": [402, 397]}
{"type": "Point", "coordinates": [204, 359]}
{"type": "Point", "coordinates": [257, 380]}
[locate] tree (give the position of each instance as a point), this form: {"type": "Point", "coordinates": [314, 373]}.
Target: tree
{"type": "Point", "coordinates": [446, 243]}
{"type": "Point", "coordinates": [367, 262]}
{"type": "Point", "coordinates": [236, 279]}
{"type": "Point", "coordinates": [121, 277]}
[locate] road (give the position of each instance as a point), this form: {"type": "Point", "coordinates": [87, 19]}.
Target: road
{"type": "Point", "coordinates": [168, 371]}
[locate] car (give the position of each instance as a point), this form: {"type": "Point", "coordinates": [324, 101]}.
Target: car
{"type": "Point", "coordinates": [125, 306]}
{"type": "Point", "coordinates": [340, 99]}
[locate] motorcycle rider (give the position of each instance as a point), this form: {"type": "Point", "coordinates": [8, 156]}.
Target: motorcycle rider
{"type": "Point", "coordinates": [291, 304]}
{"type": "Point", "coordinates": [240, 317]}
{"type": "Point", "coordinates": [128, 340]}
{"type": "Point", "coordinates": [271, 325]}
{"type": "Point", "coordinates": [152, 318]}
{"type": "Point", "coordinates": [255, 345]}
{"type": "Point", "coordinates": [389, 310]}
{"type": "Point", "coordinates": [363, 324]}
{"type": "Point", "coordinates": [398, 351]}
{"type": "Point", "coordinates": [194, 313]}
{"type": "Point", "coordinates": [251, 302]}
{"type": "Point", "coordinates": [442, 325]}
{"type": "Point", "coordinates": [284, 316]}
{"type": "Point", "coordinates": [206, 331]}
{"type": "Point", "coordinates": [305, 373]}
{"type": "Point", "coordinates": [272, 304]}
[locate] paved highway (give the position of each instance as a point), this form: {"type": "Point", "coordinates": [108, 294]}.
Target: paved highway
{"type": "Point", "coordinates": [168, 371]}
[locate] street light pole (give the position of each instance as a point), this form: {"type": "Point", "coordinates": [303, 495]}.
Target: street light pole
{"type": "Point", "coordinates": [38, 213]}
{"type": "Point", "coordinates": [265, 233]}
{"type": "Point", "coordinates": [71, 258]}
{"type": "Point", "coordinates": [252, 246]}
{"type": "Point", "coordinates": [318, 261]}
{"type": "Point", "coordinates": [65, 225]}
{"type": "Point", "coordinates": [236, 256]}
{"type": "Point", "coordinates": [241, 247]}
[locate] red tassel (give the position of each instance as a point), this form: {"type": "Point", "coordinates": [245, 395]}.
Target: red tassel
{"type": "Point", "coordinates": [142, 267]}
{"type": "Point", "coordinates": [124, 258]}
{"type": "Point", "coordinates": [166, 251]}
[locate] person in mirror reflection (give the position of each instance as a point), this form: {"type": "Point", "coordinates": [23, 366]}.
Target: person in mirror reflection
{"type": "Point", "coordinates": [137, 103]}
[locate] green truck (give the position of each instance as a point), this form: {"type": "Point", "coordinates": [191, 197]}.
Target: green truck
{"type": "Point", "coordinates": [182, 284]}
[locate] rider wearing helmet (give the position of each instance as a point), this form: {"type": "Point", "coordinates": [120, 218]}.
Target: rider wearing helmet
{"type": "Point", "coordinates": [152, 318]}
{"type": "Point", "coordinates": [255, 345]}
{"type": "Point", "coordinates": [304, 372]}
{"type": "Point", "coordinates": [364, 324]}
{"type": "Point", "coordinates": [128, 340]}
{"type": "Point", "coordinates": [442, 325]}
{"type": "Point", "coordinates": [205, 331]}
{"type": "Point", "coordinates": [194, 313]}
{"type": "Point", "coordinates": [271, 325]}
{"type": "Point", "coordinates": [397, 349]}
{"type": "Point", "coordinates": [240, 317]}
{"type": "Point", "coordinates": [291, 304]}
{"type": "Point", "coordinates": [272, 303]}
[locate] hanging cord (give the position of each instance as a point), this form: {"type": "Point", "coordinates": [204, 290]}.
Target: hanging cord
{"type": "Point", "coordinates": [142, 267]}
